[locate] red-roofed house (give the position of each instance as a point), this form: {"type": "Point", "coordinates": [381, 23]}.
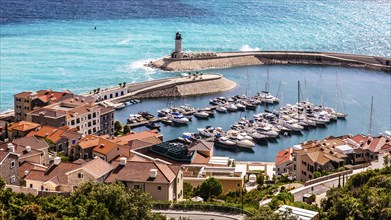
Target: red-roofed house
{"type": "Point", "coordinates": [64, 177]}
{"type": "Point", "coordinates": [21, 129]}
{"type": "Point", "coordinates": [94, 146]}
{"type": "Point", "coordinates": [282, 160]}
{"type": "Point", "coordinates": [58, 138]}
{"type": "Point", "coordinates": [161, 181]}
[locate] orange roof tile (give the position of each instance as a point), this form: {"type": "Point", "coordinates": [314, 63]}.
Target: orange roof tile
{"type": "Point", "coordinates": [23, 126]}
{"type": "Point", "coordinates": [51, 133]}
{"type": "Point", "coordinates": [104, 146]}
{"type": "Point", "coordinates": [123, 140]}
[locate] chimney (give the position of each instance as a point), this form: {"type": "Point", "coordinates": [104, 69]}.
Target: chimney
{"type": "Point", "coordinates": [11, 147]}
{"type": "Point", "coordinates": [122, 161]}
{"type": "Point", "coordinates": [153, 173]}
{"type": "Point", "coordinates": [28, 148]}
{"type": "Point", "coordinates": [26, 172]}
{"type": "Point", "coordinates": [57, 160]}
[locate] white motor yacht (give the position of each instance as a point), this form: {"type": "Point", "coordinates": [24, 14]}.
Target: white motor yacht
{"type": "Point", "coordinates": [179, 118]}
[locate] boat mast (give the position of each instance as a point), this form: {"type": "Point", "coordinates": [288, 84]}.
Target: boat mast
{"type": "Point", "coordinates": [306, 89]}
{"type": "Point", "coordinates": [321, 89]}
{"type": "Point", "coordinates": [370, 117]}
{"type": "Point", "coordinates": [298, 99]}
{"type": "Point", "coordinates": [336, 90]}
{"type": "Point", "coordinates": [267, 81]}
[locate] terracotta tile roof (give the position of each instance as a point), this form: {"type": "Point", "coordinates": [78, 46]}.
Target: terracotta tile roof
{"type": "Point", "coordinates": [23, 126]}
{"type": "Point", "coordinates": [123, 140]}
{"type": "Point", "coordinates": [105, 110]}
{"type": "Point", "coordinates": [32, 141]}
{"type": "Point", "coordinates": [137, 144]}
{"type": "Point", "coordinates": [54, 173]}
{"type": "Point", "coordinates": [284, 156]}
{"type": "Point", "coordinates": [51, 133]}
{"type": "Point", "coordinates": [136, 171]}
{"type": "Point", "coordinates": [199, 158]}
{"type": "Point", "coordinates": [104, 146]}
{"type": "Point", "coordinates": [23, 95]}
{"type": "Point", "coordinates": [28, 166]}
{"type": "Point", "coordinates": [201, 146]}
{"type": "Point", "coordinates": [89, 141]}
{"type": "Point", "coordinates": [96, 167]}
{"type": "Point", "coordinates": [21, 151]}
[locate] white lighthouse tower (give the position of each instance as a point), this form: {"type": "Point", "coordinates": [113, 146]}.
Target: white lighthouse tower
{"type": "Point", "coordinates": [178, 53]}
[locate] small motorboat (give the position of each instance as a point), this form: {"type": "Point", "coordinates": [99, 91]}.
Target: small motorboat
{"type": "Point", "coordinates": [221, 109]}
{"type": "Point", "coordinates": [152, 126]}
{"type": "Point", "coordinates": [201, 114]}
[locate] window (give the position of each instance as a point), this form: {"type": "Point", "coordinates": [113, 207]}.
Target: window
{"type": "Point", "coordinates": [136, 187]}
{"type": "Point", "coordinates": [310, 176]}
{"type": "Point", "coordinates": [80, 176]}
{"type": "Point", "coordinates": [12, 164]}
{"type": "Point", "coordinates": [31, 185]}
{"type": "Point", "coordinates": [13, 179]}
{"type": "Point", "coordinates": [159, 188]}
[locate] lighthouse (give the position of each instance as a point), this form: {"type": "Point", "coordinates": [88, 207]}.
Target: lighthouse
{"type": "Point", "coordinates": [178, 53]}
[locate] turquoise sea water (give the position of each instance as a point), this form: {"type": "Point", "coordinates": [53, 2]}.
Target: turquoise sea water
{"type": "Point", "coordinates": [53, 44]}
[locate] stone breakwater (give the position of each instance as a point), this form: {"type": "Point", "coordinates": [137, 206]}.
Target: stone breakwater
{"type": "Point", "coordinates": [235, 59]}
{"type": "Point", "coordinates": [181, 86]}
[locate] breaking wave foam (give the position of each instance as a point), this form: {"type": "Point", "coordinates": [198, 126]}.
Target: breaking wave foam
{"type": "Point", "coordinates": [247, 47]}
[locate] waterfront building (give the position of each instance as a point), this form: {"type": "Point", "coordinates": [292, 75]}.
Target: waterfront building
{"type": "Point", "coordinates": [21, 128]}
{"type": "Point", "coordinates": [78, 113]}
{"type": "Point", "coordinates": [162, 181]}
{"type": "Point", "coordinates": [65, 177]}
{"type": "Point", "coordinates": [9, 166]}
{"type": "Point", "coordinates": [25, 102]}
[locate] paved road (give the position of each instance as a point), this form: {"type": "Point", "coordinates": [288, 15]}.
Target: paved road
{"type": "Point", "coordinates": [196, 215]}
{"type": "Point", "coordinates": [317, 188]}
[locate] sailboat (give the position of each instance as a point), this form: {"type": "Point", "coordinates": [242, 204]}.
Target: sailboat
{"type": "Point", "coordinates": [339, 114]}
{"type": "Point", "coordinates": [265, 96]}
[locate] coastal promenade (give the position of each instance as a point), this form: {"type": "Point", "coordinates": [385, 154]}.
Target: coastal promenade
{"type": "Point", "coordinates": [236, 59]}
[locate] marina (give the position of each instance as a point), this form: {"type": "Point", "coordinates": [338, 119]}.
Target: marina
{"type": "Point", "coordinates": [356, 122]}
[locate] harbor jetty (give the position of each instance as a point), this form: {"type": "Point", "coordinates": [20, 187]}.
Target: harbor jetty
{"type": "Point", "coordinates": [186, 85]}
{"type": "Point", "coordinates": [202, 61]}
{"type": "Point", "coordinates": [179, 60]}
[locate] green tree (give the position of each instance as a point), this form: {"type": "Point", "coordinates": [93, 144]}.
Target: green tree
{"type": "Point", "coordinates": [386, 162]}
{"type": "Point", "coordinates": [126, 129]}
{"type": "Point", "coordinates": [2, 183]}
{"type": "Point", "coordinates": [317, 174]}
{"type": "Point", "coordinates": [117, 127]}
{"type": "Point", "coordinates": [260, 179]}
{"type": "Point", "coordinates": [210, 188]}
{"type": "Point", "coordinates": [187, 190]}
